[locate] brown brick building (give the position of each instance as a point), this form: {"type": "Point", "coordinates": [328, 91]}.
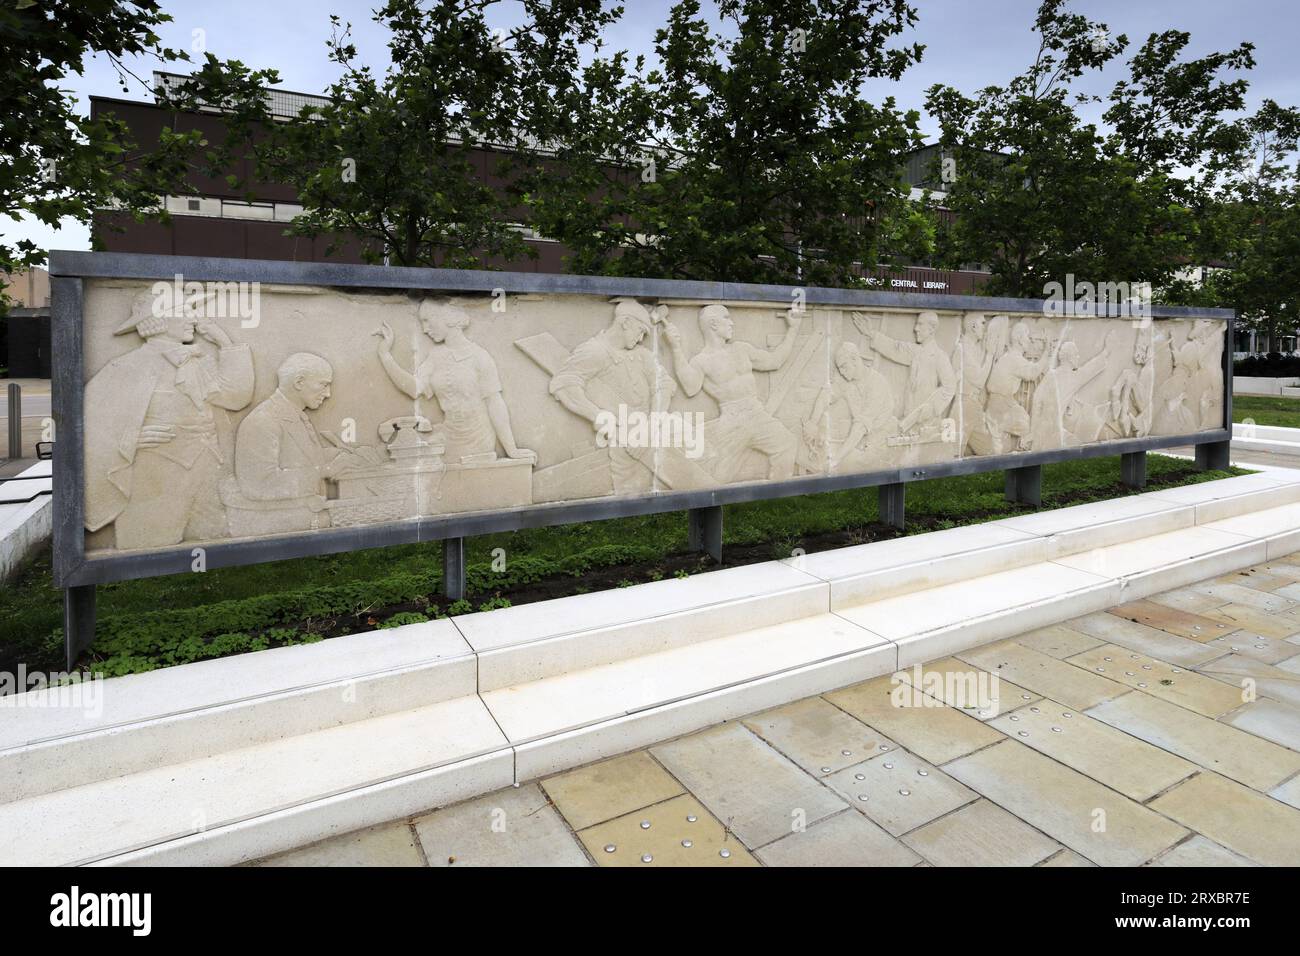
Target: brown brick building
{"type": "Point", "coordinates": [219, 221]}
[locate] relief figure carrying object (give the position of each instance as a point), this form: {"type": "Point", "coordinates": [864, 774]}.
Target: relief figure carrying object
{"type": "Point", "coordinates": [931, 381]}
{"type": "Point", "coordinates": [153, 423]}
{"type": "Point", "coordinates": [982, 342]}
{"type": "Point", "coordinates": [1132, 394]}
{"type": "Point", "coordinates": [613, 368]}
{"type": "Point", "coordinates": [1008, 419]}
{"type": "Point", "coordinates": [871, 412]}
{"type": "Point", "coordinates": [462, 377]}
{"type": "Point", "coordinates": [1058, 419]}
{"type": "Point", "coordinates": [724, 368]}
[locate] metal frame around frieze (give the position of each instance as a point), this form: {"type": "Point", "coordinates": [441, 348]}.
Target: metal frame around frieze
{"type": "Point", "coordinates": [73, 568]}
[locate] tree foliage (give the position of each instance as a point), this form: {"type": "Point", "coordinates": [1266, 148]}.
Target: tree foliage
{"type": "Point", "coordinates": [1040, 193]}
{"type": "Point", "coordinates": [745, 152]}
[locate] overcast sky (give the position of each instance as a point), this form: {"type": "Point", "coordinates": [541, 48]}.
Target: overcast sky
{"type": "Point", "coordinates": [969, 44]}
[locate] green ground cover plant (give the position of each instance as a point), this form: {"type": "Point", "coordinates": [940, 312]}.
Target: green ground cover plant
{"type": "Point", "coordinates": [157, 622]}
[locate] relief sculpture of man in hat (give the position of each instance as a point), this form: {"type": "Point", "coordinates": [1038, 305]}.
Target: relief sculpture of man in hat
{"type": "Point", "coordinates": [154, 424]}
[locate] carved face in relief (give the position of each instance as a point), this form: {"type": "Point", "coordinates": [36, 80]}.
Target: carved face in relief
{"type": "Point", "coordinates": [437, 320]}
{"type": "Point", "coordinates": [717, 318]}
{"type": "Point", "coordinates": [633, 332]}
{"type": "Point", "coordinates": [315, 388]}
{"type": "Point", "coordinates": [974, 324]}
{"type": "Point", "coordinates": [1068, 356]}
{"type": "Point", "coordinates": [849, 361]}
{"type": "Point", "coordinates": [1020, 337]}
{"type": "Point", "coordinates": [180, 328]}
{"type": "Point", "coordinates": [926, 323]}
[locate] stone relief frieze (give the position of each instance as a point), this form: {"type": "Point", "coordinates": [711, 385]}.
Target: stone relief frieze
{"type": "Point", "coordinates": [337, 409]}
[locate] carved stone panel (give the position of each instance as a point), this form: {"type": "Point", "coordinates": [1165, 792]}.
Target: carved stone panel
{"type": "Point", "coordinates": [324, 408]}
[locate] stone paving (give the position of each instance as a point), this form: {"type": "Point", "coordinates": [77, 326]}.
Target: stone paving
{"type": "Point", "coordinates": [1165, 732]}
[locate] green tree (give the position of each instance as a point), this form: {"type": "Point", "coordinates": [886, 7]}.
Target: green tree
{"type": "Point", "coordinates": [1040, 194]}
{"type": "Point", "coordinates": [395, 159]}
{"type": "Point", "coordinates": [1257, 228]}
{"type": "Point", "coordinates": [57, 163]}
{"type": "Point", "coordinates": [746, 153]}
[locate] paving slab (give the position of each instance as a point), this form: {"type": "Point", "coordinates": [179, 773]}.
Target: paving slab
{"type": "Point", "coordinates": [513, 827]}
{"type": "Point", "coordinates": [392, 844]}
{"type": "Point", "coordinates": [1040, 674]}
{"type": "Point", "coordinates": [1071, 808]}
{"type": "Point", "coordinates": [817, 735]}
{"type": "Point", "coordinates": [1178, 685]}
{"type": "Point", "coordinates": [1111, 629]}
{"type": "Point", "coordinates": [1124, 763]}
{"type": "Point", "coordinates": [935, 733]}
{"type": "Point", "coordinates": [846, 839]}
{"type": "Point", "coordinates": [677, 832]}
{"type": "Point", "coordinates": [1199, 851]}
{"type": "Point", "coordinates": [1247, 596]}
{"type": "Point", "coordinates": [981, 834]}
{"type": "Point", "coordinates": [609, 789]}
{"type": "Point", "coordinates": [1270, 650]}
{"type": "Point", "coordinates": [1268, 680]}
{"type": "Point", "coordinates": [899, 791]}
{"type": "Point", "coordinates": [755, 792]}
{"type": "Point", "coordinates": [1288, 793]}
{"type": "Point", "coordinates": [1236, 817]}
{"type": "Point", "coordinates": [1260, 578]}
{"type": "Point", "coordinates": [1211, 744]}
{"type": "Point", "coordinates": [972, 690]}
{"type": "Point", "coordinates": [1188, 599]}
{"type": "Point", "coordinates": [1058, 641]}
{"type": "Point", "coordinates": [1270, 624]}
{"type": "Point", "coordinates": [1067, 858]}
{"type": "Point", "coordinates": [1271, 720]}
{"type": "Point", "coordinates": [1195, 627]}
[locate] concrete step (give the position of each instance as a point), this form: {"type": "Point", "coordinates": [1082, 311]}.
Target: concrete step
{"type": "Point", "coordinates": [51, 739]}
{"type": "Point", "coordinates": [237, 758]}
{"type": "Point", "coordinates": [232, 806]}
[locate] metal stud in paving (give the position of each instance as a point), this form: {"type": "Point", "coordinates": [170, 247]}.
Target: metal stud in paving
{"type": "Point", "coordinates": [906, 793]}
{"type": "Point", "coordinates": [826, 769]}
{"type": "Point", "coordinates": [725, 854]}
{"type": "Point", "coordinates": [647, 858]}
{"type": "Point", "coordinates": [688, 844]}
{"type": "Point", "coordinates": [645, 824]}
{"type": "Point", "coordinates": [610, 848]}
{"type": "Point", "coordinates": [691, 818]}
{"type": "Point", "coordinates": [847, 753]}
